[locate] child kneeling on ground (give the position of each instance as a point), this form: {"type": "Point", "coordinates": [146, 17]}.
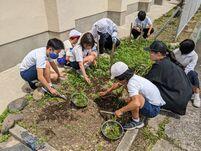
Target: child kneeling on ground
{"type": "Point", "coordinates": [143, 24]}
{"type": "Point", "coordinates": [187, 56]}
{"type": "Point", "coordinates": [144, 97]}
{"type": "Point", "coordinates": [84, 54]}
{"type": "Point", "coordinates": [66, 55]}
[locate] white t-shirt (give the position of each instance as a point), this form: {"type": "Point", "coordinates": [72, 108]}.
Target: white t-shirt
{"type": "Point", "coordinates": [68, 46]}
{"type": "Point", "coordinates": [142, 24]}
{"type": "Point", "coordinates": [79, 54]}
{"type": "Point", "coordinates": [189, 61]}
{"type": "Point", "coordinates": [139, 85]}
{"type": "Point", "coordinates": [35, 57]}
{"type": "Point", "coordinates": [104, 25]}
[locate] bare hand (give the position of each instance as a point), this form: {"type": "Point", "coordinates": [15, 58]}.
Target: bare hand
{"type": "Point", "coordinates": [127, 100]}
{"type": "Point", "coordinates": [137, 28]}
{"type": "Point", "coordinates": [103, 93]}
{"type": "Point", "coordinates": [53, 92]}
{"type": "Point", "coordinates": [62, 75]}
{"type": "Point", "coordinates": [118, 113]}
{"type": "Point", "coordinates": [88, 80]}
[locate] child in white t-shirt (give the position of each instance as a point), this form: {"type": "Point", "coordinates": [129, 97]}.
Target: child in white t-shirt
{"type": "Point", "coordinates": [84, 54]}
{"type": "Point", "coordinates": [187, 56]}
{"type": "Point", "coordinates": [36, 65]}
{"type": "Point", "coordinates": [144, 97]}
{"type": "Point", "coordinates": [66, 55]}
{"type": "Point", "coordinates": [141, 24]}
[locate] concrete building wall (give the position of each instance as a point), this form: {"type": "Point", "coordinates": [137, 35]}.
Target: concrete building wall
{"type": "Point", "coordinates": [21, 18]}
{"type": "Point", "coordinates": [28, 24]}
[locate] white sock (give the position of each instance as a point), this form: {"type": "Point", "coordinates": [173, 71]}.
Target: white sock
{"type": "Point", "coordinates": [136, 120]}
{"type": "Point", "coordinates": [197, 96]}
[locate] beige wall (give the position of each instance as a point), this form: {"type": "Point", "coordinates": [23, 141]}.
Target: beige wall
{"type": "Point", "coordinates": [28, 24]}
{"type": "Point", "coordinates": [70, 10]}
{"type": "Point", "coordinates": [21, 18]}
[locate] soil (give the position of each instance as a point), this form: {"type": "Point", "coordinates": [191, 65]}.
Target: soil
{"type": "Point", "coordinates": [67, 128]}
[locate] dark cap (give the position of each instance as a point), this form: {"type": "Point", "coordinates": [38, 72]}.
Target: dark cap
{"type": "Point", "coordinates": [157, 46]}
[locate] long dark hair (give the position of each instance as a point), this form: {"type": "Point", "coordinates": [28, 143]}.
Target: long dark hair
{"type": "Point", "coordinates": [172, 58]}
{"type": "Point", "coordinates": [88, 39]}
{"type": "Point", "coordinates": [126, 75]}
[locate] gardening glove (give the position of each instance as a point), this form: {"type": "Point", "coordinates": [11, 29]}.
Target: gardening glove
{"type": "Point", "coordinates": [114, 40]}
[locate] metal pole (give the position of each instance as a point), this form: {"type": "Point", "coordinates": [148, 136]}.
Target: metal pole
{"type": "Point", "coordinates": [112, 54]}
{"type": "Point", "coordinates": [162, 29]}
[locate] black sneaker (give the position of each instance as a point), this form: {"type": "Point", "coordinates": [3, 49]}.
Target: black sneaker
{"type": "Point", "coordinates": [133, 125]}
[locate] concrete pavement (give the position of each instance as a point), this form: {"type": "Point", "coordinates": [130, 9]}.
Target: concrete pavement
{"type": "Point", "coordinates": [10, 87]}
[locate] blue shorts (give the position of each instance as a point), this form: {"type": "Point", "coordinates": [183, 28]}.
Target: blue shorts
{"type": "Point", "coordinates": [30, 75]}
{"type": "Point", "coordinates": [62, 61]}
{"type": "Point", "coordinates": [149, 110]}
{"type": "Point", "coordinates": [75, 65]}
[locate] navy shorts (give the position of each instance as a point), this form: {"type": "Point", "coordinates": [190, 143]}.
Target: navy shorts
{"type": "Point", "coordinates": [75, 65]}
{"type": "Point", "coordinates": [30, 75]}
{"type": "Point", "coordinates": [193, 77]}
{"type": "Point", "coordinates": [149, 110]}
{"type": "Point", "coordinates": [62, 61]}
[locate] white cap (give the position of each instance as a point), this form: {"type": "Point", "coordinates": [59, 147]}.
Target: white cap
{"type": "Point", "coordinates": [74, 33]}
{"type": "Point", "coordinates": [118, 69]}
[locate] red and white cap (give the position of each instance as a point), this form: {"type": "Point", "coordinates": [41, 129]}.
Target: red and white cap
{"type": "Point", "coordinates": [74, 33]}
{"type": "Point", "coordinates": [118, 69]}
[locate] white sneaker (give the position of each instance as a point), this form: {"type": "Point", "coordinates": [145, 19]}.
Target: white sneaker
{"type": "Point", "coordinates": [193, 97]}
{"type": "Point", "coordinates": [196, 102]}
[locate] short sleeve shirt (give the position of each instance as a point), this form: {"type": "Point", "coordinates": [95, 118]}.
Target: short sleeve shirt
{"type": "Point", "coordinates": [139, 85]}
{"type": "Point", "coordinates": [142, 24]}
{"type": "Point", "coordinates": [36, 57]}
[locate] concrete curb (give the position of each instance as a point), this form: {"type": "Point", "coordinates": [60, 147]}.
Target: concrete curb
{"type": "Point", "coordinates": [127, 140]}
{"type": "Point", "coordinates": [17, 133]}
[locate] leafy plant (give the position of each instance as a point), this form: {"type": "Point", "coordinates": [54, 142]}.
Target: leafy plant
{"type": "Point", "coordinates": [112, 130]}
{"type": "Point", "coordinates": [80, 99]}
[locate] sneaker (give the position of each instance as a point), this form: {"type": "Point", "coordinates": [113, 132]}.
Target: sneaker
{"type": "Point", "coordinates": [193, 97]}
{"type": "Point", "coordinates": [196, 102]}
{"type": "Point", "coordinates": [133, 125]}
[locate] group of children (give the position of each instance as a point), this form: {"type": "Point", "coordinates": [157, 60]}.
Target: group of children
{"type": "Point", "coordinates": [167, 85]}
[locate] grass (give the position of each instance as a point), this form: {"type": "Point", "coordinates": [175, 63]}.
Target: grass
{"type": "Point", "coordinates": [152, 138]}
{"type": "Point", "coordinates": [4, 115]}
{"type": "Point", "coordinates": [4, 138]}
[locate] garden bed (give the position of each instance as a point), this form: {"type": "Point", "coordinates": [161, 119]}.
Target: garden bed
{"type": "Point", "coordinates": [66, 127]}
{"type": "Point", "coordinates": [169, 33]}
